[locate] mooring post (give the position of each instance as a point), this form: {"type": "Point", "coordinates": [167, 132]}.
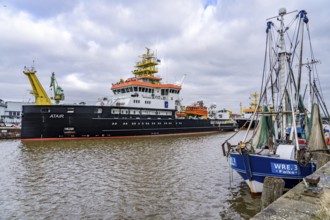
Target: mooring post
{"type": "Point", "coordinates": [272, 189]}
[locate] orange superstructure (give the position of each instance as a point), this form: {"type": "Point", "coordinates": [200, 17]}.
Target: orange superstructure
{"type": "Point", "coordinates": [197, 109]}
{"type": "Point", "coordinates": [253, 105]}
{"type": "Point", "coordinates": [128, 83]}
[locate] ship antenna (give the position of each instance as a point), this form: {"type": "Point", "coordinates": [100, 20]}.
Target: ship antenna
{"type": "Point", "coordinates": [282, 12]}
{"type": "Point", "coordinates": [182, 80]}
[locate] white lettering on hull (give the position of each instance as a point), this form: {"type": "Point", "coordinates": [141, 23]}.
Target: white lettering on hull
{"type": "Point", "coordinates": [57, 116]}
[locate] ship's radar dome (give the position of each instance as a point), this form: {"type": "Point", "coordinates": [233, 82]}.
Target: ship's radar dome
{"type": "Point", "coordinates": [282, 11]}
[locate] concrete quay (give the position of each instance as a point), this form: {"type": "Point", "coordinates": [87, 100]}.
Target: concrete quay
{"type": "Point", "coordinates": [9, 132]}
{"type": "Point", "coordinates": [297, 203]}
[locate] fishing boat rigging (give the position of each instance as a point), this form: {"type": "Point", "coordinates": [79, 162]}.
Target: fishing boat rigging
{"type": "Point", "coordinates": [290, 129]}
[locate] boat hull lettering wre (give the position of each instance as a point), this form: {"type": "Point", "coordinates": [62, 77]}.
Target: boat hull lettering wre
{"type": "Point", "coordinates": [289, 133]}
{"type": "Point", "coordinates": [141, 105]}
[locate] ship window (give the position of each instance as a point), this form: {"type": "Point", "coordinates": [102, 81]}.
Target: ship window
{"type": "Point", "coordinates": [68, 129]}
{"type": "Point", "coordinates": [122, 90]}
{"type": "Point", "coordinates": [115, 111]}
{"type": "Point", "coordinates": [98, 110]}
{"type": "Point", "coordinates": [131, 89]}
{"type": "Point", "coordinates": [44, 110]}
{"type": "Point", "coordinates": [135, 89]}
{"type": "Point", "coordinates": [70, 110]}
{"type": "Point", "coordinates": [164, 92]}
{"type": "Point", "coordinates": [140, 89]}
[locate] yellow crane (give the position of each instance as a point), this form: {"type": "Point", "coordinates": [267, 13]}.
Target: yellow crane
{"type": "Point", "coordinates": [41, 97]}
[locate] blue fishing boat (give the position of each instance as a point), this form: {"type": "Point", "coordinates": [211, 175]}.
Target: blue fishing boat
{"type": "Point", "coordinates": [290, 130]}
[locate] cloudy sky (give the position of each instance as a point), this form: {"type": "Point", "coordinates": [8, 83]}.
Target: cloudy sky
{"type": "Point", "coordinates": [218, 44]}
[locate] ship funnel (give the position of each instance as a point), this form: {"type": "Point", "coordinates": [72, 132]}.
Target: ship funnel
{"type": "Point", "coordinates": [282, 11]}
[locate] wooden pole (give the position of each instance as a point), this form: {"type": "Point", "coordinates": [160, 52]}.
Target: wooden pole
{"type": "Point", "coordinates": [272, 189]}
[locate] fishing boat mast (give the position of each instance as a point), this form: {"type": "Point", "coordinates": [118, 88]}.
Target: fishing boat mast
{"type": "Point", "coordinates": [282, 73]}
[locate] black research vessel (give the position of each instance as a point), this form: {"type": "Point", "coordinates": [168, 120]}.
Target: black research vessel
{"type": "Point", "coordinates": [141, 105]}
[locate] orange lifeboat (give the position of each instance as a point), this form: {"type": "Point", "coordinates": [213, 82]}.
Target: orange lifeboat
{"type": "Point", "coordinates": [197, 109]}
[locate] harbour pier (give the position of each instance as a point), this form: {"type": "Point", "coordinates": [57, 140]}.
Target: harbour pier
{"type": "Point", "coordinates": [10, 132]}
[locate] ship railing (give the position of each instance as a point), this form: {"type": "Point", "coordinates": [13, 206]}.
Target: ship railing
{"type": "Point", "coordinates": [152, 60]}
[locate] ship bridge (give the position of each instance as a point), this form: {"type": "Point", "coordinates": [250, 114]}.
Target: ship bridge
{"type": "Point", "coordinates": [145, 89]}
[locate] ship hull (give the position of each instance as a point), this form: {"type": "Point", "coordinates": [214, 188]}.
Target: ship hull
{"type": "Point", "coordinates": [244, 122]}
{"type": "Point", "coordinates": [254, 168]}
{"type": "Point", "coordinates": [75, 121]}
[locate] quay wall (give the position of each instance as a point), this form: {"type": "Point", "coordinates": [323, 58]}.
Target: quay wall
{"type": "Point", "coordinates": [297, 204]}
{"type": "Point", "coordinates": [9, 132]}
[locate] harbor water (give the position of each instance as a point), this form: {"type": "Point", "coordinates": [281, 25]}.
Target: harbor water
{"type": "Point", "coordinates": [178, 177]}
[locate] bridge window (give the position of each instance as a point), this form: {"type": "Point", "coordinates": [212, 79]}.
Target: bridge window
{"type": "Point", "coordinates": [164, 92]}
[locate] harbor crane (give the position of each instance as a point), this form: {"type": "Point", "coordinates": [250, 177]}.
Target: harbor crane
{"type": "Point", "coordinates": [58, 92]}
{"type": "Point", "coordinates": [41, 97]}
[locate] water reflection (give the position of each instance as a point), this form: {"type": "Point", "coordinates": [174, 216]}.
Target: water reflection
{"type": "Point", "coordinates": [144, 178]}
